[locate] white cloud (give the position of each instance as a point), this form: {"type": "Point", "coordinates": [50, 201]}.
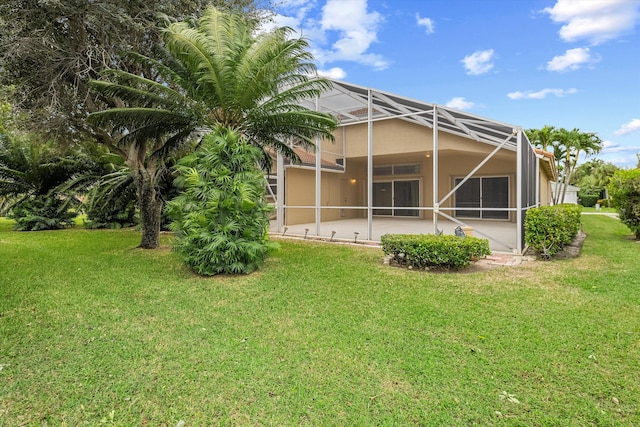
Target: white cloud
{"type": "Point", "coordinates": [632, 126]}
{"type": "Point", "coordinates": [333, 73]}
{"type": "Point", "coordinates": [541, 94]}
{"type": "Point", "coordinates": [572, 60]}
{"type": "Point", "coordinates": [357, 29]}
{"type": "Point", "coordinates": [427, 23]}
{"type": "Point", "coordinates": [478, 62]}
{"type": "Point", "coordinates": [620, 155]}
{"type": "Point", "coordinates": [282, 21]}
{"type": "Point", "coordinates": [459, 103]}
{"type": "Point", "coordinates": [342, 30]}
{"type": "Point", "coordinates": [597, 21]}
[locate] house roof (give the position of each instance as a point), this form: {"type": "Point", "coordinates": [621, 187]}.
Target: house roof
{"type": "Point", "coordinates": [350, 104]}
{"type": "Point", "coordinates": [548, 163]}
{"type": "Point", "coordinates": [307, 159]}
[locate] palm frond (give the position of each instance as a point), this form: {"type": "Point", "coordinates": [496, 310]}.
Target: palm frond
{"type": "Point", "coordinates": [127, 119]}
{"type": "Point", "coordinates": [176, 143]}
{"type": "Point", "coordinates": [195, 53]}
{"type": "Point", "coordinates": [140, 97]}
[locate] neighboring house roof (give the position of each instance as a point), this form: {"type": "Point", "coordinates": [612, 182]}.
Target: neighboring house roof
{"type": "Point", "coordinates": [548, 163]}
{"type": "Point", "coordinates": [350, 104]}
{"type": "Point", "coordinates": [307, 159]}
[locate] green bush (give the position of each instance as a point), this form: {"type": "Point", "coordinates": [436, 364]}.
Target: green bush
{"type": "Point", "coordinates": [221, 219]}
{"type": "Point", "coordinates": [624, 191]}
{"type": "Point", "coordinates": [427, 250]}
{"type": "Point", "coordinates": [43, 213]}
{"type": "Point", "coordinates": [549, 228]}
{"type": "Point", "coordinates": [589, 196]}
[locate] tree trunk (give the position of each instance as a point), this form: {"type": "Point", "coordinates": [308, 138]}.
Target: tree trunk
{"type": "Point", "coordinates": [150, 215]}
{"type": "Point", "coordinates": [150, 205]}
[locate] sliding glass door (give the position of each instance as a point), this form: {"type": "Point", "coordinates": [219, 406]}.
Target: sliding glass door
{"type": "Point", "coordinates": [402, 195]}
{"type": "Point", "coordinates": [483, 193]}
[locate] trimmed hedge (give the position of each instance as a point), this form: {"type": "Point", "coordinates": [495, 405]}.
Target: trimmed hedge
{"type": "Point", "coordinates": [589, 196]}
{"type": "Point", "coordinates": [427, 250]}
{"type": "Point", "coordinates": [549, 228]}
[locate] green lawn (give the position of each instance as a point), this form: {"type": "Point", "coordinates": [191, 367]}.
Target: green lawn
{"type": "Point", "coordinates": [601, 210]}
{"type": "Point", "coordinates": [93, 331]}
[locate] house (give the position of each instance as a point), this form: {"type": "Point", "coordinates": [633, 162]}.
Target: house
{"type": "Point", "coordinates": [401, 165]}
{"type": "Point", "coordinates": [571, 194]}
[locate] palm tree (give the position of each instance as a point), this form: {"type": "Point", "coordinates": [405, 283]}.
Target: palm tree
{"type": "Point", "coordinates": [214, 72]}
{"type": "Point", "coordinates": [542, 138]}
{"type": "Point", "coordinates": [571, 144]}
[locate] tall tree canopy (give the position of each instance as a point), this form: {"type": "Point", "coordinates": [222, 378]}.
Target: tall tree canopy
{"type": "Point", "coordinates": [212, 72]}
{"type": "Point", "coordinates": [50, 50]}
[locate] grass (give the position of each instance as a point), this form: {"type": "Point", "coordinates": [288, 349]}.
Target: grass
{"type": "Point", "coordinates": [95, 332]}
{"type": "Point", "coordinates": [601, 210]}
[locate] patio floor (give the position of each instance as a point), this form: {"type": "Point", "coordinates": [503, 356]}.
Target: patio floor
{"type": "Point", "coordinates": [503, 233]}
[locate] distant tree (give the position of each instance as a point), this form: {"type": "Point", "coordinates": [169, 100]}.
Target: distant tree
{"type": "Point", "coordinates": [592, 178]}
{"type": "Point", "coordinates": [595, 173]}
{"type": "Point", "coordinates": [567, 147]}
{"type": "Point", "coordinates": [624, 191]}
{"type": "Point", "coordinates": [213, 72]}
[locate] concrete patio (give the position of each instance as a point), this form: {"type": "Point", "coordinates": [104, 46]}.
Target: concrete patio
{"type": "Point", "coordinates": [504, 238]}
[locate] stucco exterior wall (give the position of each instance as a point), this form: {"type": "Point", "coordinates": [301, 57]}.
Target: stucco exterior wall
{"type": "Point", "coordinates": [300, 190]}
{"type": "Point", "coordinates": [397, 136]}
{"type": "Point", "coordinates": [545, 189]}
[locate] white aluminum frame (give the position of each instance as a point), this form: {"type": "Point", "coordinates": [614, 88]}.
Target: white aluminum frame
{"type": "Point", "coordinates": [346, 99]}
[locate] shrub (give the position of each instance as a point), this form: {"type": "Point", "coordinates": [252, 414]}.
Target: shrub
{"type": "Point", "coordinates": [221, 218]}
{"type": "Point", "coordinates": [624, 191]}
{"type": "Point", "coordinates": [589, 196]}
{"type": "Point", "coordinates": [549, 228]}
{"type": "Point", "coordinates": [42, 213]}
{"type": "Point", "coordinates": [427, 250]}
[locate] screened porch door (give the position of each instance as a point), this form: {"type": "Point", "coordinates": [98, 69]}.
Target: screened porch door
{"type": "Point", "coordinates": [483, 193]}
{"type": "Point", "coordinates": [402, 195]}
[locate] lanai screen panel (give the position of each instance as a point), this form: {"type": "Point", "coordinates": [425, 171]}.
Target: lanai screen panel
{"type": "Point", "coordinates": [528, 176]}
{"type": "Point", "coordinates": [352, 104]}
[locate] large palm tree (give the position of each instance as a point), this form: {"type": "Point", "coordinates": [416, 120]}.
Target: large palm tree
{"type": "Point", "coordinates": [214, 72]}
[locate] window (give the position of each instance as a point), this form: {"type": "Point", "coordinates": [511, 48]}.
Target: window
{"type": "Point", "coordinates": [397, 170]}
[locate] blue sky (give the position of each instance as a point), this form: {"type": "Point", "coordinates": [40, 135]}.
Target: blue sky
{"type": "Point", "coordinates": [565, 63]}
